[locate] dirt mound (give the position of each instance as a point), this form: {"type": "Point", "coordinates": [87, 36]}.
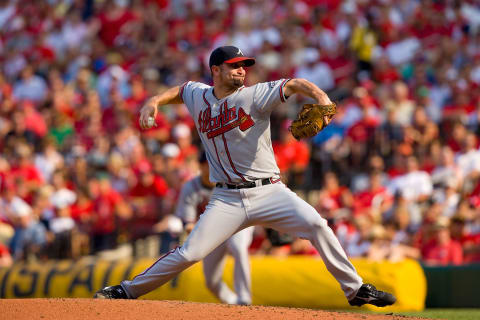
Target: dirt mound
{"type": "Point", "coordinates": [85, 309]}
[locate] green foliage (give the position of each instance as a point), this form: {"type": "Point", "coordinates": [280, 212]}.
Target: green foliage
{"type": "Point", "coordinates": [434, 313]}
{"type": "Point", "coordinates": [450, 314]}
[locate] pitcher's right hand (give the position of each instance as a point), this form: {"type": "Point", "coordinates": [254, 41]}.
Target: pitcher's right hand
{"type": "Point", "coordinates": [147, 111]}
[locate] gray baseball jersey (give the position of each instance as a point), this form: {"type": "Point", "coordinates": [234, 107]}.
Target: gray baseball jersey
{"type": "Point", "coordinates": [225, 123]}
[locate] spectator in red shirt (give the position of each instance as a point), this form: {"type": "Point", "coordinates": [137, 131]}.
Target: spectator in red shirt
{"type": "Point", "coordinates": [4, 173]}
{"type": "Point", "coordinates": [362, 131]}
{"type": "Point", "coordinates": [34, 120]}
{"type": "Point", "coordinates": [292, 156]}
{"type": "Point", "coordinates": [139, 160]}
{"type": "Point", "coordinates": [442, 249]}
{"type": "Point", "coordinates": [461, 108]}
{"type": "Point", "coordinates": [341, 66]}
{"type": "Point", "coordinates": [457, 137]}
{"type": "Point", "coordinates": [471, 248]}
{"type": "Point", "coordinates": [333, 197]}
{"type": "Point", "coordinates": [108, 207]}
{"type": "Point", "coordinates": [384, 72]}
{"type": "Point", "coordinates": [138, 96]}
{"type": "Point", "coordinates": [114, 20]}
{"type": "Point", "coordinates": [146, 200]}
{"type": "Point", "coordinates": [81, 212]}
{"type": "Point", "coordinates": [470, 242]}
{"type": "Point", "coordinates": [24, 169]}
{"type": "Point", "coordinates": [163, 168]}
{"type": "Point", "coordinates": [116, 115]}
{"type": "Point", "coordinates": [303, 247]}
{"type": "Point", "coordinates": [375, 200]}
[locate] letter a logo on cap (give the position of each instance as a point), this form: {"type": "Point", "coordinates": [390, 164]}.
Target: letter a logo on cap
{"type": "Point", "coordinates": [240, 52]}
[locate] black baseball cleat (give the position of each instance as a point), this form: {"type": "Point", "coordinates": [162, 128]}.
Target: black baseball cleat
{"type": "Point", "coordinates": [369, 294]}
{"type": "Point", "coordinates": [113, 292]}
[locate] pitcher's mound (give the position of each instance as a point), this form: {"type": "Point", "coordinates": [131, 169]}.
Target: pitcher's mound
{"type": "Point", "coordinates": [67, 309]}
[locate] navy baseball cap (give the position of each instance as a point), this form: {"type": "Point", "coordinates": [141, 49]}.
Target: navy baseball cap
{"type": "Point", "coordinates": [229, 54]}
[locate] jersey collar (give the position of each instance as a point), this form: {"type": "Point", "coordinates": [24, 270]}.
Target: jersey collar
{"type": "Point", "coordinates": [226, 97]}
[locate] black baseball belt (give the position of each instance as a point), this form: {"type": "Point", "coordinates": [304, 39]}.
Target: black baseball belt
{"type": "Point", "coordinates": [248, 184]}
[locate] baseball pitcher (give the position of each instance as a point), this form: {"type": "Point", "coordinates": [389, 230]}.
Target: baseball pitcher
{"type": "Point", "coordinates": [233, 122]}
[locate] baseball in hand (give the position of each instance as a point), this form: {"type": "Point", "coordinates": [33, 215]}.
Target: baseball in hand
{"type": "Point", "coordinates": [151, 122]}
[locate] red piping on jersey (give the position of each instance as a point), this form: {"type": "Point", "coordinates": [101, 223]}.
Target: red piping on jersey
{"type": "Point", "coordinates": [162, 257]}
{"type": "Point", "coordinates": [218, 157]}
{"type": "Point", "coordinates": [228, 153]}
{"type": "Point", "coordinates": [213, 140]}
{"type": "Point", "coordinates": [280, 90]}
{"type": "Point", "coordinates": [230, 159]}
{"type": "Point", "coordinates": [204, 98]}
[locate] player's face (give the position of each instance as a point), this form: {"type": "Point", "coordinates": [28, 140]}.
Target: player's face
{"type": "Point", "coordinates": [233, 74]}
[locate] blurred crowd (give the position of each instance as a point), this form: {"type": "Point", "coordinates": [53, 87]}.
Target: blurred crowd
{"type": "Point", "coordinates": [397, 173]}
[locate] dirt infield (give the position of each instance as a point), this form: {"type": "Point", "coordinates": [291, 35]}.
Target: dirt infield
{"type": "Point", "coordinates": [67, 309]}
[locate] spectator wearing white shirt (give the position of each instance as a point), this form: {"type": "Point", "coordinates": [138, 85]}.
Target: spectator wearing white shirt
{"type": "Point", "coordinates": [469, 159]}
{"type": "Point", "coordinates": [403, 50]}
{"type": "Point", "coordinates": [62, 196]}
{"type": "Point", "coordinates": [62, 227]}
{"type": "Point", "coordinates": [48, 160]}
{"type": "Point", "coordinates": [401, 103]}
{"type": "Point", "coordinates": [319, 73]}
{"type": "Point", "coordinates": [75, 31]}
{"type": "Point", "coordinates": [31, 87]}
{"type": "Point", "coordinates": [57, 41]}
{"type": "Point", "coordinates": [447, 172]}
{"type": "Point", "coordinates": [358, 243]}
{"type": "Point", "coordinates": [7, 12]}
{"type": "Point", "coordinates": [323, 37]}
{"type": "Point", "coordinates": [415, 185]}
{"type": "Point", "coordinates": [29, 238]}
{"type": "Point", "coordinates": [61, 224]}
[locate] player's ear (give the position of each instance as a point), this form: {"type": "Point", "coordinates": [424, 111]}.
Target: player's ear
{"type": "Point", "coordinates": [215, 70]}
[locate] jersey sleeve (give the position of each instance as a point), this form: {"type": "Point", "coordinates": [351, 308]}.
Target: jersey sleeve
{"type": "Point", "coordinates": [189, 90]}
{"type": "Point", "coordinates": [267, 95]}
{"type": "Point", "coordinates": [186, 206]}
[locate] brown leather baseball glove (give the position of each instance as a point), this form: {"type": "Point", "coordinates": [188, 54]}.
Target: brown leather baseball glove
{"type": "Point", "coordinates": [310, 120]}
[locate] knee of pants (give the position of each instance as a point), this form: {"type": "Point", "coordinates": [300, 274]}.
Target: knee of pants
{"type": "Point", "coordinates": [317, 224]}
{"type": "Point", "coordinates": [192, 256]}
